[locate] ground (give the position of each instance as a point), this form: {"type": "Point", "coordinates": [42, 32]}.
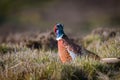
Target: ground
{"type": "Point", "coordinates": [34, 57]}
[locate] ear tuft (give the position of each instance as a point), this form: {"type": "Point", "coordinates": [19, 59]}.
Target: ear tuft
{"type": "Point", "coordinates": [60, 25]}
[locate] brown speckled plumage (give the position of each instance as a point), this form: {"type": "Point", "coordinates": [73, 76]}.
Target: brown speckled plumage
{"type": "Point", "coordinates": [66, 44]}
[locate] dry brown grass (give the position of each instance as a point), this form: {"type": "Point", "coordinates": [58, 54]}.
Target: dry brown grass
{"type": "Point", "coordinates": [20, 62]}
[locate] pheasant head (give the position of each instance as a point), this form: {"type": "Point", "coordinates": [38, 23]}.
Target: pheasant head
{"type": "Point", "coordinates": [58, 29]}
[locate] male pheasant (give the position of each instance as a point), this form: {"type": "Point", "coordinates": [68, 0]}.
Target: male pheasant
{"type": "Point", "coordinates": [68, 50]}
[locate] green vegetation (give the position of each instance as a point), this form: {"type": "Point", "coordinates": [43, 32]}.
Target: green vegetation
{"type": "Point", "coordinates": [40, 64]}
{"type": "Point", "coordinates": [5, 49]}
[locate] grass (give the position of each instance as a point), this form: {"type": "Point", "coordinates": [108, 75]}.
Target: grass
{"type": "Point", "coordinates": [22, 63]}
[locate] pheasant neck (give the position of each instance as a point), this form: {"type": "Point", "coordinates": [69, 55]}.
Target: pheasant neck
{"type": "Point", "coordinates": [60, 37]}
{"type": "Point", "coordinates": [60, 34]}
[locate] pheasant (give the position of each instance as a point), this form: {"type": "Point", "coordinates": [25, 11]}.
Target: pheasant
{"type": "Point", "coordinates": [68, 50]}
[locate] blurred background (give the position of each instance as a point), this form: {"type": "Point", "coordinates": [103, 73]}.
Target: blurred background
{"type": "Point", "coordinates": [78, 16]}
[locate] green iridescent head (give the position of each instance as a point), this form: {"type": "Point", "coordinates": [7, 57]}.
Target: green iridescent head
{"type": "Point", "coordinates": [58, 29]}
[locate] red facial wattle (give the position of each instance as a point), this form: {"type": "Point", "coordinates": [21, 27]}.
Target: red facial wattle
{"type": "Point", "coordinates": [55, 28]}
